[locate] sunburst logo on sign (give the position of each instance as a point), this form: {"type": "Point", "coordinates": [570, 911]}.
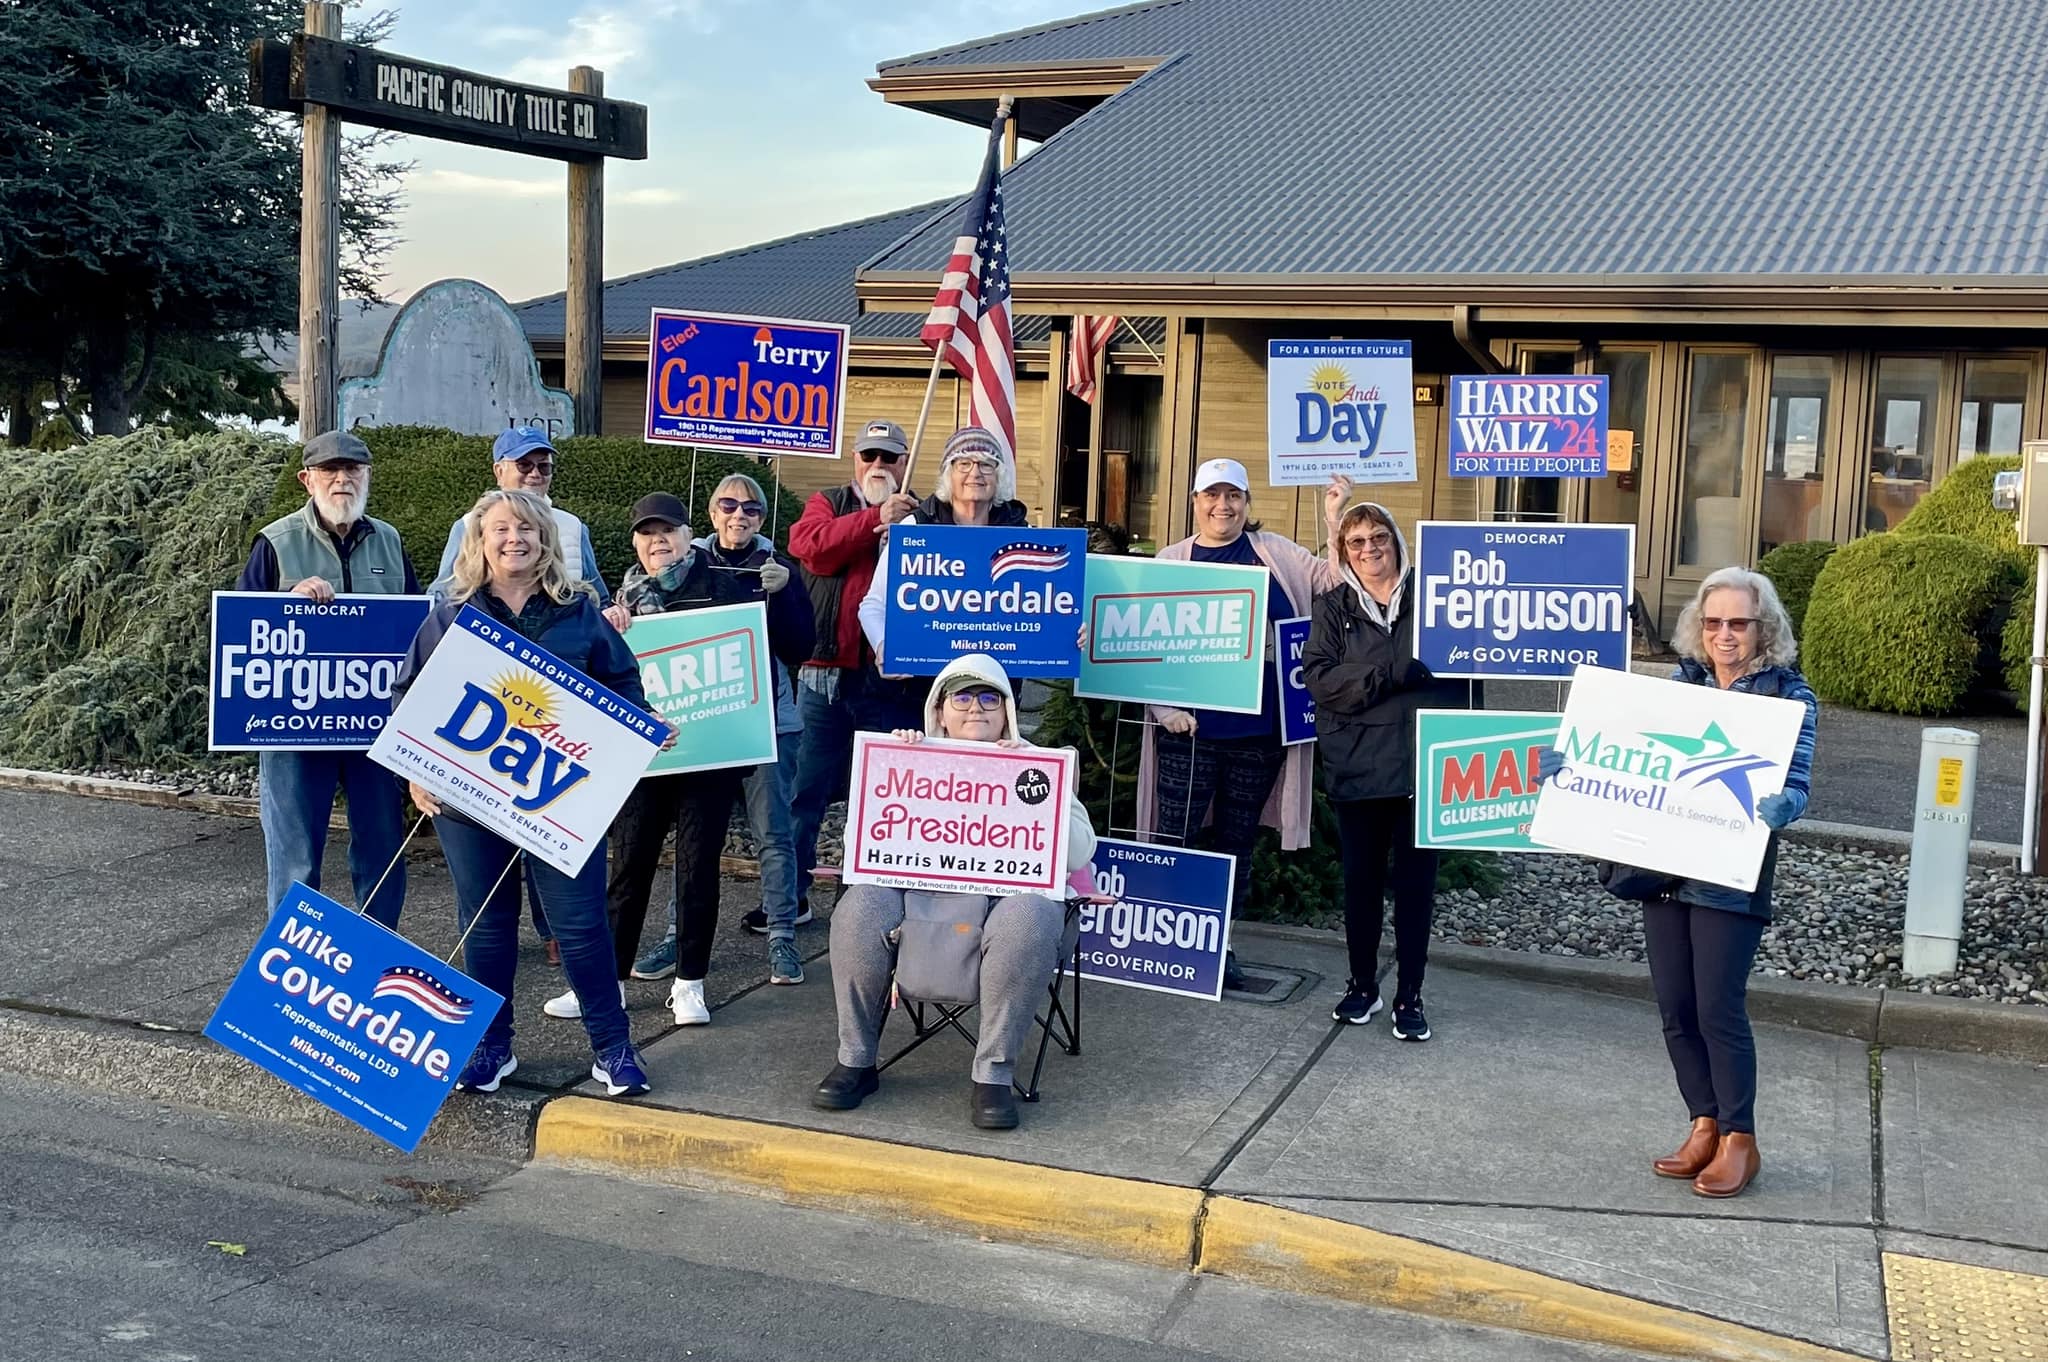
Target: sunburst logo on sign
{"type": "Point", "coordinates": [1332, 381]}
{"type": "Point", "coordinates": [530, 699]}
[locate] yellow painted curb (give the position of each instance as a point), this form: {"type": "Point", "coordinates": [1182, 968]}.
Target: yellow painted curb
{"type": "Point", "coordinates": [1136, 1221]}
{"type": "Point", "coordinates": [1298, 1252]}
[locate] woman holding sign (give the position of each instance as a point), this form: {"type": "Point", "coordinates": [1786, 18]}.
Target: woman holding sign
{"type": "Point", "coordinates": [510, 567]}
{"type": "Point", "coordinates": [1702, 938]}
{"type": "Point", "coordinates": [1203, 766]}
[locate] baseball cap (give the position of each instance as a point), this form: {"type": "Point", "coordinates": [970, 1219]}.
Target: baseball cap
{"type": "Point", "coordinates": [518, 442]}
{"type": "Point", "coordinates": [1227, 472]}
{"type": "Point", "coordinates": [971, 442]}
{"type": "Point", "coordinates": [659, 506]}
{"type": "Point", "coordinates": [336, 446]}
{"type": "Point", "coordinates": [883, 435]}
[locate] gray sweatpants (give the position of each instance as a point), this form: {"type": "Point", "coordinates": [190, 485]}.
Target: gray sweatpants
{"type": "Point", "coordinates": [1020, 944]}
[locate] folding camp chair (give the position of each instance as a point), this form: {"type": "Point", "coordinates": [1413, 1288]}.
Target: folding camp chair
{"type": "Point", "coordinates": [1061, 1021]}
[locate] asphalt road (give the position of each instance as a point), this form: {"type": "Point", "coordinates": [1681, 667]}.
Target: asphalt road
{"type": "Point", "coordinates": [113, 1218]}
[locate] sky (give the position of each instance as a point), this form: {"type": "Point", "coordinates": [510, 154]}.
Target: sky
{"type": "Point", "coordinates": [760, 124]}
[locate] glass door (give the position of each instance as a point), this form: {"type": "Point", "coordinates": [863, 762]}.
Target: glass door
{"type": "Point", "coordinates": [1521, 498]}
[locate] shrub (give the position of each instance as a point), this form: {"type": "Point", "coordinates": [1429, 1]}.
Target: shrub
{"type": "Point", "coordinates": [1792, 569]}
{"type": "Point", "coordinates": [2017, 646]}
{"type": "Point", "coordinates": [1962, 505]}
{"type": "Point", "coordinates": [1903, 622]}
{"type": "Point", "coordinates": [110, 553]}
{"type": "Point", "coordinates": [422, 479]}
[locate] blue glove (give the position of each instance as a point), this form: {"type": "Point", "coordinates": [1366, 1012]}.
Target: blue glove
{"type": "Point", "coordinates": [1548, 763]}
{"type": "Point", "coordinates": [1776, 810]}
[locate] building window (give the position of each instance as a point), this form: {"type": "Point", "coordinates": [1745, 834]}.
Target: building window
{"type": "Point", "coordinates": [1797, 501]}
{"type": "Point", "coordinates": [1616, 498]}
{"type": "Point", "coordinates": [1711, 509]}
{"type": "Point", "coordinates": [1902, 438]}
{"type": "Point", "coordinates": [1994, 403]}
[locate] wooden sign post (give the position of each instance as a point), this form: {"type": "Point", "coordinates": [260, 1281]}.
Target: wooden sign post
{"type": "Point", "coordinates": [330, 82]}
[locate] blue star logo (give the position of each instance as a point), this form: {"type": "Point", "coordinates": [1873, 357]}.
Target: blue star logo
{"type": "Point", "coordinates": [1715, 761]}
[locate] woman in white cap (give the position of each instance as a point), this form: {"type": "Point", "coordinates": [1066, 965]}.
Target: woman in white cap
{"type": "Point", "coordinates": [1229, 771]}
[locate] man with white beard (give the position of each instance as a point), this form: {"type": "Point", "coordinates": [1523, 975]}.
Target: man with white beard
{"type": "Point", "coordinates": [328, 547]}
{"type": "Point", "coordinates": [837, 541]}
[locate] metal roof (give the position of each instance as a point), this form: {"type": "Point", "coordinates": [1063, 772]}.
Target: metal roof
{"type": "Point", "coordinates": [1679, 141]}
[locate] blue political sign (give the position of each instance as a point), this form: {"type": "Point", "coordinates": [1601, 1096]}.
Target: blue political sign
{"type": "Point", "coordinates": [1522, 600]}
{"type": "Point", "coordinates": [1297, 706]}
{"type": "Point", "coordinates": [354, 1016]}
{"type": "Point", "coordinates": [1529, 426]}
{"type": "Point", "coordinates": [761, 385]}
{"type": "Point", "coordinates": [1167, 924]}
{"type": "Point", "coordinates": [292, 675]}
{"type": "Point", "coordinates": [1010, 592]}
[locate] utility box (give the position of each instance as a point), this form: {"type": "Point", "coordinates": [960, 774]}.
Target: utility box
{"type": "Point", "coordinates": [1940, 865]}
{"type": "Point", "coordinates": [2033, 498]}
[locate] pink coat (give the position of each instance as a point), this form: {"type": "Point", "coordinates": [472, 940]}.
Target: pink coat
{"type": "Point", "coordinates": [1303, 576]}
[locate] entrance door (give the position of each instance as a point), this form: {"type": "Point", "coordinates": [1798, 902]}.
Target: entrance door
{"type": "Point", "coordinates": [1534, 498]}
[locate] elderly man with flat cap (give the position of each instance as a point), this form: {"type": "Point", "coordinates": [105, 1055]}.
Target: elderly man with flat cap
{"type": "Point", "coordinates": [328, 547]}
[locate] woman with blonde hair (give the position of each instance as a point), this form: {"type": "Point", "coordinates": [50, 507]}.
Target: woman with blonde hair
{"type": "Point", "coordinates": [510, 567]}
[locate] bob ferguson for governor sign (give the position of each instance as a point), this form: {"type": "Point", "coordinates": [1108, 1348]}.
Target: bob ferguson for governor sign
{"type": "Point", "coordinates": [1012, 593]}
{"type": "Point", "coordinates": [1187, 635]}
{"type": "Point", "coordinates": [1339, 408]}
{"type": "Point", "coordinates": [1522, 600]}
{"type": "Point", "coordinates": [292, 676]}
{"type": "Point", "coordinates": [957, 817]}
{"type": "Point", "coordinates": [1666, 776]}
{"type": "Point", "coordinates": [1529, 425]}
{"type": "Point", "coordinates": [760, 385]}
{"type": "Point", "coordinates": [506, 732]}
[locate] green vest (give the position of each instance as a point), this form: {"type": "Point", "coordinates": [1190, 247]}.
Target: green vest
{"type": "Point", "coordinates": [375, 564]}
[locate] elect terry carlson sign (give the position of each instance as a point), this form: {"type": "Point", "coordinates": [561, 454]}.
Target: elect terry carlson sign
{"type": "Point", "coordinates": [957, 817]}
{"type": "Point", "coordinates": [1522, 600]}
{"type": "Point", "coordinates": [759, 385]}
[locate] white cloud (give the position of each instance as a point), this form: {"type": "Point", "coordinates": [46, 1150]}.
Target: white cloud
{"type": "Point", "coordinates": [511, 35]}
{"type": "Point", "coordinates": [614, 37]}
{"type": "Point", "coordinates": [471, 185]}
{"type": "Point", "coordinates": [635, 198]}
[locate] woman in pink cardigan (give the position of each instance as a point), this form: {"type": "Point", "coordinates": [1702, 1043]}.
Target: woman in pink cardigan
{"type": "Point", "coordinates": [1229, 770]}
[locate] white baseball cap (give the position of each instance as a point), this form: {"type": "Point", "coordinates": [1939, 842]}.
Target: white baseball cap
{"type": "Point", "coordinates": [1228, 472]}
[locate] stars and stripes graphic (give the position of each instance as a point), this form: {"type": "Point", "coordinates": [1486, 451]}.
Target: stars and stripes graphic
{"type": "Point", "coordinates": [1084, 354]}
{"type": "Point", "coordinates": [1026, 557]}
{"type": "Point", "coordinates": [424, 991]}
{"type": "Point", "coordinates": [970, 318]}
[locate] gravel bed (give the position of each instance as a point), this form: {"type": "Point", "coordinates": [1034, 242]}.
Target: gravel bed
{"type": "Point", "coordinates": [213, 778]}
{"type": "Point", "coordinates": [1840, 918]}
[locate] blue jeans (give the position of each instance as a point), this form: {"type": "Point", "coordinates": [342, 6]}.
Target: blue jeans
{"type": "Point", "coordinates": [865, 702]}
{"type": "Point", "coordinates": [296, 798]}
{"type": "Point", "coordinates": [575, 908]}
{"type": "Point", "coordinates": [768, 791]}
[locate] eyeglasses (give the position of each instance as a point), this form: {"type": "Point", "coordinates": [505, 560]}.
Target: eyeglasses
{"type": "Point", "coordinates": [974, 461]}
{"type": "Point", "coordinates": [1734, 624]}
{"type": "Point", "coordinates": [1358, 543]}
{"type": "Point", "coordinates": [544, 467]}
{"type": "Point", "coordinates": [888, 456]}
{"type": "Point", "coordinates": [338, 470]}
{"type": "Point", "coordinates": [729, 505]}
{"type": "Point", "coordinates": [974, 699]}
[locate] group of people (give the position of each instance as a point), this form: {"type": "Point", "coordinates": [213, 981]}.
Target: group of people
{"type": "Point", "coordinates": [1205, 776]}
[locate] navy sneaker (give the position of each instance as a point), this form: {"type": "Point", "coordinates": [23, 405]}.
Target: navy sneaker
{"type": "Point", "coordinates": [658, 963]}
{"type": "Point", "coordinates": [1409, 1023]}
{"type": "Point", "coordinates": [785, 966]}
{"type": "Point", "coordinates": [491, 1065]}
{"type": "Point", "coordinates": [1358, 1004]}
{"type": "Point", "coordinates": [620, 1072]}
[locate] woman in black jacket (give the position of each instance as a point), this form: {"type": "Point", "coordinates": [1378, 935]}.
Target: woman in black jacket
{"type": "Point", "coordinates": [1360, 666]}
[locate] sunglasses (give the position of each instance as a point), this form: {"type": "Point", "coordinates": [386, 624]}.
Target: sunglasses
{"type": "Point", "coordinates": [1734, 624]}
{"type": "Point", "coordinates": [888, 456]}
{"type": "Point", "coordinates": [729, 505]}
{"type": "Point", "coordinates": [1358, 543]}
{"type": "Point", "coordinates": [544, 467]}
{"type": "Point", "coordinates": [975, 699]}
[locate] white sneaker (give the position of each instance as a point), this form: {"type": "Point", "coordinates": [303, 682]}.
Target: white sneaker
{"type": "Point", "coordinates": [568, 1007]}
{"type": "Point", "coordinates": [686, 1000]}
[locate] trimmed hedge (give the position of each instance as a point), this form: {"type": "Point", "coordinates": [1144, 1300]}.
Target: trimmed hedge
{"type": "Point", "coordinates": [2016, 646]}
{"type": "Point", "coordinates": [1792, 569]}
{"type": "Point", "coordinates": [422, 479]}
{"type": "Point", "coordinates": [1962, 505]}
{"type": "Point", "coordinates": [1903, 622]}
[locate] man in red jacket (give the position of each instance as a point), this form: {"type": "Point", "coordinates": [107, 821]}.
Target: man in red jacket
{"type": "Point", "coordinates": [837, 541]}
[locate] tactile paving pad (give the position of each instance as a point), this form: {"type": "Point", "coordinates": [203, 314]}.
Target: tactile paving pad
{"type": "Point", "coordinates": [1955, 1313]}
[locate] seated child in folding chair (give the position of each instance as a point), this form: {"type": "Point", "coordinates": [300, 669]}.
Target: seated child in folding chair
{"type": "Point", "coordinates": [1020, 933]}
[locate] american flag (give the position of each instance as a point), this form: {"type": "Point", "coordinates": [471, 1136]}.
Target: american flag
{"type": "Point", "coordinates": [1084, 353]}
{"type": "Point", "coordinates": [970, 318]}
{"type": "Point", "coordinates": [423, 991]}
{"type": "Point", "coordinates": [1026, 557]}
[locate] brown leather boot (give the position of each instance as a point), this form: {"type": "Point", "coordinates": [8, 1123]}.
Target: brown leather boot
{"type": "Point", "coordinates": [1735, 1163]}
{"type": "Point", "coordinates": [1696, 1153]}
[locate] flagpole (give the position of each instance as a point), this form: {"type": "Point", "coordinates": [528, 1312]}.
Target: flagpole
{"type": "Point", "coordinates": [931, 386]}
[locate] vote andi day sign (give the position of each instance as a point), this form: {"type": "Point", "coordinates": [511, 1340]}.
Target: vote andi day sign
{"type": "Point", "coordinates": [957, 817]}
{"type": "Point", "coordinates": [1339, 408]}
{"type": "Point", "coordinates": [1188, 635]}
{"type": "Point", "coordinates": [1666, 776]}
{"type": "Point", "coordinates": [760, 385]}
{"type": "Point", "coordinates": [519, 740]}
{"type": "Point", "coordinates": [1522, 600]}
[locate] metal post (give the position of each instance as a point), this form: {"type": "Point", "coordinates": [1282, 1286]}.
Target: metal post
{"type": "Point", "coordinates": [319, 249]}
{"type": "Point", "coordinates": [1941, 849]}
{"type": "Point", "coordinates": [583, 324]}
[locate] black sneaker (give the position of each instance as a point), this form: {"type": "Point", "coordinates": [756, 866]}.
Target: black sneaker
{"type": "Point", "coordinates": [1358, 1005]}
{"type": "Point", "coordinates": [844, 1088]}
{"type": "Point", "coordinates": [1409, 1023]}
{"type": "Point", "coordinates": [757, 921]}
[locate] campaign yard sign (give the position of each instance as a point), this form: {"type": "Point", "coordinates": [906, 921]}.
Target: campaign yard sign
{"type": "Point", "coordinates": [760, 385]}
{"type": "Point", "coordinates": [354, 1016]}
{"type": "Point", "coordinates": [708, 673]}
{"type": "Point", "coordinates": [1339, 408]}
{"type": "Point", "coordinates": [1476, 777]}
{"type": "Point", "coordinates": [290, 675]}
{"type": "Point", "coordinates": [1522, 600]}
{"type": "Point", "coordinates": [1012, 593]}
{"type": "Point", "coordinates": [1529, 425]}
{"type": "Point", "coordinates": [957, 817]}
{"type": "Point", "coordinates": [1666, 776]}
{"type": "Point", "coordinates": [509, 734]}
{"type": "Point", "coordinates": [1297, 706]}
{"type": "Point", "coordinates": [1189, 635]}
{"type": "Point", "coordinates": [1168, 925]}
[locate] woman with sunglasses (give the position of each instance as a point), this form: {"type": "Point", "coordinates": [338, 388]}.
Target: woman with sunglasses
{"type": "Point", "coordinates": [1702, 938]}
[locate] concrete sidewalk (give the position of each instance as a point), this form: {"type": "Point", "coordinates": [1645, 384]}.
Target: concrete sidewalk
{"type": "Point", "coordinates": [1520, 1135]}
